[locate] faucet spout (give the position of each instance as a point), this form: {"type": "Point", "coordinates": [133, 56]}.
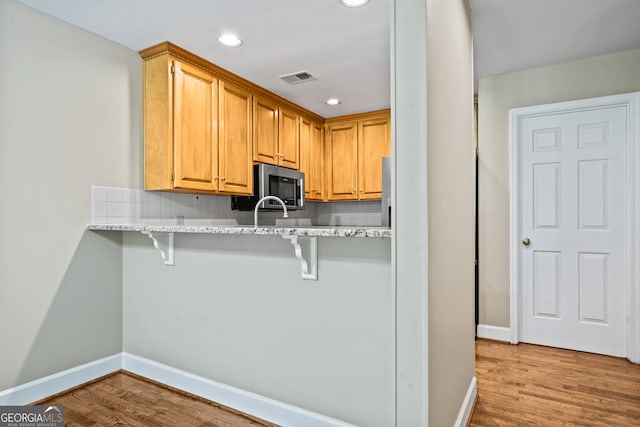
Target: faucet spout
{"type": "Point", "coordinates": [255, 210]}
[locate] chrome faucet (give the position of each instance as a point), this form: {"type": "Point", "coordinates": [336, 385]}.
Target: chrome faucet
{"type": "Point", "coordinates": [255, 210]}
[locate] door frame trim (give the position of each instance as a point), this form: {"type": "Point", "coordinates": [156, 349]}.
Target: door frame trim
{"type": "Point", "coordinates": [631, 102]}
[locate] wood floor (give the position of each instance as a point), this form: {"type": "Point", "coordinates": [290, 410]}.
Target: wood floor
{"type": "Point", "coordinates": [528, 385]}
{"type": "Point", "coordinates": [124, 399]}
{"type": "Point", "coordinates": [518, 385]}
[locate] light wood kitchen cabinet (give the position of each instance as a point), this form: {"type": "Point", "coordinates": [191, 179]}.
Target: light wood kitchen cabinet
{"type": "Point", "coordinates": [317, 165]}
{"type": "Point", "coordinates": [342, 161]}
{"type": "Point", "coordinates": [197, 129]}
{"type": "Point", "coordinates": [288, 139]}
{"type": "Point", "coordinates": [205, 127]}
{"type": "Point", "coordinates": [265, 131]}
{"type": "Point", "coordinates": [275, 134]}
{"type": "Point", "coordinates": [194, 116]}
{"type": "Point", "coordinates": [355, 146]}
{"type": "Point", "coordinates": [374, 143]}
{"type": "Point", "coordinates": [234, 124]}
{"type": "Point", "coordinates": [312, 158]}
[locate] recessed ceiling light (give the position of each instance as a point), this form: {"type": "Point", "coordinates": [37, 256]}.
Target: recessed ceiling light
{"type": "Point", "coordinates": [230, 40]}
{"type": "Point", "coordinates": [354, 3]}
{"type": "Point", "coordinates": [332, 101]}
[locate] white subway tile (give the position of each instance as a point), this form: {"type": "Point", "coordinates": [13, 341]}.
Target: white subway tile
{"type": "Point", "coordinates": [114, 210]}
{"type": "Point", "coordinates": [154, 211]}
{"type": "Point", "coordinates": [128, 210]}
{"type": "Point", "coordinates": [99, 209]}
{"type": "Point", "coordinates": [144, 211]}
{"type": "Point", "coordinates": [98, 194]}
{"type": "Point", "coordinates": [166, 208]}
{"type": "Point", "coordinates": [128, 195]}
{"type": "Point", "coordinates": [114, 194]}
{"type": "Point", "coordinates": [154, 197]}
{"type": "Point", "coordinates": [144, 196]}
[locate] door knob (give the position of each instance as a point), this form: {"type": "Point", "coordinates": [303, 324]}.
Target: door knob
{"type": "Point", "coordinates": [526, 241]}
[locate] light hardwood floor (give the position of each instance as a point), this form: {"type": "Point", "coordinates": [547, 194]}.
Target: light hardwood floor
{"type": "Point", "coordinates": [124, 399]}
{"type": "Point", "coordinates": [529, 385]}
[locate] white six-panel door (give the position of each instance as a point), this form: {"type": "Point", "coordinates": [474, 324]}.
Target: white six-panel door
{"type": "Point", "coordinates": [573, 229]}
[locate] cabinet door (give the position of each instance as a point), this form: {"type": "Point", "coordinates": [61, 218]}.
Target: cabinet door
{"type": "Point", "coordinates": [234, 142]}
{"type": "Point", "coordinates": [305, 155]}
{"type": "Point", "coordinates": [288, 138]}
{"type": "Point", "coordinates": [265, 131]}
{"type": "Point", "coordinates": [316, 168]}
{"type": "Point", "coordinates": [342, 161]}
{"type": "Point", "coordinates": [373, 143]}
{"type": "Point", "coordinates": [194, 120]}
{"type": "Point", "coordinates": [312, 158]}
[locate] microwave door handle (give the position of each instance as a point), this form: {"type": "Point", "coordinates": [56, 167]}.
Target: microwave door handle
{"type": "Point", "coordinates": [301, 191]}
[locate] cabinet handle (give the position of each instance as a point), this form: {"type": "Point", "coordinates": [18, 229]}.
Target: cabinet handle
{"type": "Point", "coordinates": [223, 178]}
{"type": "Point", "coordinates": [361, 190]}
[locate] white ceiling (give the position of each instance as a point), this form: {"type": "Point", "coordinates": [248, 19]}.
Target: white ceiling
{"type": "Point", "coordinates": [517, 34]}
{"type": "Point", "coordinates": [348, 49]}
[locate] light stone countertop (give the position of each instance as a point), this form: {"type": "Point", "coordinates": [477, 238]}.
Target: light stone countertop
{"type": "Point", "coordinates": [313, 231]}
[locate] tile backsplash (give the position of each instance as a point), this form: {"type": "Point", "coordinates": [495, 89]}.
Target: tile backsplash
{"type": "Point", "coordinates": [114, 205]}
{"type": "Point", "coordinates": [367, 213]}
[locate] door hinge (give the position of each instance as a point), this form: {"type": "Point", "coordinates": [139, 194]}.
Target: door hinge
{"type": "Point", "coordinates": [173, 68]}
{"type": "Point", "coordinates": [173, 177]}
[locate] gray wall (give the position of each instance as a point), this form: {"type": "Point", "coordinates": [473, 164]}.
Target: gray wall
{"type": "Point", "coordinates": [450, 198]}
{"type": "Point", "coordinates": [235, 309]}
{"type": "Point", "coordinates": [585, 78]}
{"type": "Point", "coordinates": [69, 117]}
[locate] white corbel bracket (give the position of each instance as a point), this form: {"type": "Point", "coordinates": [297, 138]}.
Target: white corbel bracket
{"type": "Point", "coordinates": [310, 269]}
{"type": "Point", "coordinates": [164, 244]}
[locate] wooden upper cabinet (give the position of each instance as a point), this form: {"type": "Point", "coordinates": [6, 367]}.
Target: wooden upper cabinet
{"type": "Point", "coordinates": [195, 137]}
{"type": "Point", "coordinates": [275, 134]}
{"type": "Point", "coordinates": [234, 123]}
{"type": "Point", "coordinates": [316, 169]}
{"type": "Point", "coordinates": [374, 142]}
{"type": "Point", "coordinates": [198, 129]}
{"type": "Point", "coordinates": [312, 158]}
{"type": "Point", "coordinates": [180, 117]}
{"type": "Point", "coordinates": [355, 146]}
{"type": "Point", "coordinates": [342, 161]}
{"type": "Point", "coordinates": [288, 142]}
{"type": "Point", "coordinates": [265, 131]}
{"type": "Point", "coordinates": [305, 154]}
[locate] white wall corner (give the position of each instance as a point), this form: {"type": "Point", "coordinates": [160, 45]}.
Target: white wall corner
{"type": "Point", "coordinates": [466, 409]}
{"type": "Point", "coordinates": [241, 400]}
{"type": "Point", "coordinates": [497, 333]}
{"type": "Point", "coordinates": [52, 384]}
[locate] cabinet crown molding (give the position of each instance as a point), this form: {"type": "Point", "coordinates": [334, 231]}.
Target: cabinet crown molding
{"type": "Point", "coordinates": [370, 115]}
{"type": "Point", "coordinates": [168, 48]}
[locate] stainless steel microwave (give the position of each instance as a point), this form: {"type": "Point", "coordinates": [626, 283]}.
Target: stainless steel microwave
{"type": "Point", "coordinates": [269, 180]}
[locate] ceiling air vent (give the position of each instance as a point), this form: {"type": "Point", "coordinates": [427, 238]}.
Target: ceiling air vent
{"type": "Point", "coordinates": [297, 78]}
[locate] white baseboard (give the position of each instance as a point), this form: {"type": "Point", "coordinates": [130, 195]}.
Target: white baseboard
{"type": "Point", "coordinates": [498, 333]}
{"type": "Point", "coordinates": [52, 384]}
{"type": "Point", "coordinates": [467, 404]}
{"type": "Point", "coordinates": [241, 400]}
